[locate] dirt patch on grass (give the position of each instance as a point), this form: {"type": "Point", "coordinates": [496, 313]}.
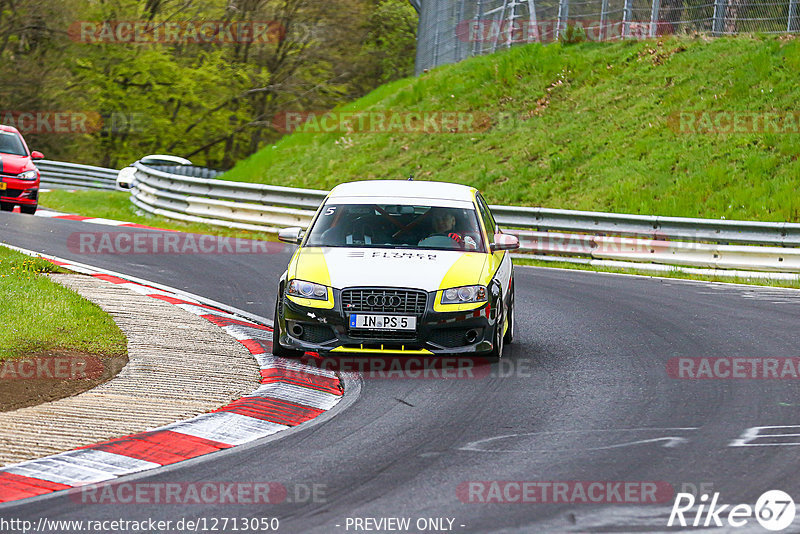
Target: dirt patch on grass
{"type": "Point", "coordinates": [44, 377]}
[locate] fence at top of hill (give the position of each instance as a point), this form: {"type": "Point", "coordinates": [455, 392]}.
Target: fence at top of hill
{"type": "Point", "coordinates": [452, 30]}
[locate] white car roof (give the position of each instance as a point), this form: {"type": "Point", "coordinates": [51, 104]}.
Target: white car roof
{"type": "Point", "coordinates": [403, 189]}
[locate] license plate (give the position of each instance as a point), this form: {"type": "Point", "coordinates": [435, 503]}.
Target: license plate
{"type": "Point", "coordinates": [383, 322]}
{"type": "Point", "coordinates": [2, 186]}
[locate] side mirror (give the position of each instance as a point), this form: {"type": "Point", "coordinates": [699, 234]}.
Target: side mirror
{"type": "Point", "coordinates": [37, 155]}
{"type": "Point", "coordinates": [504, 242]}
{"type": "Point", "coordinates": [292, 235]}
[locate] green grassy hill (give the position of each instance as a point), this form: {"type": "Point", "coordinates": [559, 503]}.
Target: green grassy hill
{"type": "Point", "coordinates": [591, 126]}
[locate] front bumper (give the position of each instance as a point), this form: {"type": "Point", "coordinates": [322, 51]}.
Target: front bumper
{"type": "Point", "coordinates": [328, 330]}
{"type": "Point", "coordinates": [20, 192]}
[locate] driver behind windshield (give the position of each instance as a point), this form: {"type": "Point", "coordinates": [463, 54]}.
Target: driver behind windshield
{"type": "Point", "coordinates": [444, 224]}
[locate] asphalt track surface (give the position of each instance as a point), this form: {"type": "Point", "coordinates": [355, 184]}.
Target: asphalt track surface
{"type": "Point", "coordinates": [583, 394]}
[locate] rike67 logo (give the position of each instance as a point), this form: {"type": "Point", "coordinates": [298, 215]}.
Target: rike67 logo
{"type": "Point", "coordinates": [774, 510]}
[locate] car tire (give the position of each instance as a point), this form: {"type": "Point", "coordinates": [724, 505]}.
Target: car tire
{"type": "Point", "coordinates": [497, 335]}
{"type": "Point", "coordinates": [6, 207]}
{"type": "Point", "coordinates": [277, 349]}
{"type": "Point", "coordinates": [30, 210]}
{"type": "Point", "coordinates": [509, 337]}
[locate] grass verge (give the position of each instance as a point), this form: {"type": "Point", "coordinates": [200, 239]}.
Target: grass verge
{"type": "Point", "coordinates": [40, 316]}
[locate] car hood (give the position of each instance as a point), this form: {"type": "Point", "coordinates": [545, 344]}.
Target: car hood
{"type": "Point", "coordinates": [428, 270]}
{"type": "Point", "coordinates": [11, 164]}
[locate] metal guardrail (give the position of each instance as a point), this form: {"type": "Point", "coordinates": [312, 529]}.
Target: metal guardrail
{"type": "Point", "coordinates": [192, 194]}
{"type": "Point", "coordinates": [660, 251]}
{"type": "Point", "coordinates": [246, 206]}
{"type": "Point", "coordinates": [62, 175]}
{"type": "Point", "coordinates": [653, 226]}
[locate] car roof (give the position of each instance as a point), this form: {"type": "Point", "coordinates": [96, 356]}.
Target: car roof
{"type": "Point", "coordinates": [405, 189]}
{"type": "Point", "coordinates": [160, 159]}
{"type": "Point", "coordinates": [8, 128]}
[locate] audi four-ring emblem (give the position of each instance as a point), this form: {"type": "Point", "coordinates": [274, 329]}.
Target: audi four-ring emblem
{"type": "Point", "coordinates": [384, 300]}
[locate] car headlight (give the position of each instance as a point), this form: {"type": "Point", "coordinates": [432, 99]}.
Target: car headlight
{"type": "Point", "coordinates": [307, 290]}
{"type": "Point", "coordinates": [27, 175]}
{"type": "Point", "coordinates": [460, 295]}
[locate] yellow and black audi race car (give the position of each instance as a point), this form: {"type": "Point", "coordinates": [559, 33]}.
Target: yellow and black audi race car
{"type": "Point", "coordinates": [399, 267]}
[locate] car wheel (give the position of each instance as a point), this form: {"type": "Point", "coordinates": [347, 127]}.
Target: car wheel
{"type": "Point", "coordinates": [497, 337]}
{"type": "Point", "coordinates": [6, 207]}
{"type": "Point", "coordinates": [277, 349]}
{"type": "Point", "coordinates": [30, 210]}
{"type": "Point", "coordinates": [509, 337]}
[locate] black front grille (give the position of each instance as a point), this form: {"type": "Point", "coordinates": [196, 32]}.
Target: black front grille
{"type": "Point", "coordinates": [13, 193]}
{"type": "Point", "coordinates": [317, 333]}
{"type": "Point", "coordinates": [378, 300]}
{"type": "Point", "coordinates": [451, 337]}
{"type": "Point", "coordinates": [383, 334]}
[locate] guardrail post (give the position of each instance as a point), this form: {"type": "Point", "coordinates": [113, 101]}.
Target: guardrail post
{"type": "Point", "coordinates": [792, 24]}
{"type": "Point", "coordinates": [654, 17]}
{"type": "Point", "coordinates": [627, 15]}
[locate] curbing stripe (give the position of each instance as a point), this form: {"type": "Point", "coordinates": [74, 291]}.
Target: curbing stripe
{"type": "Point", "coordinates": [228, 321]}
{"type": "Point", "coordinates": [14, 487]}
{"type": "Point", "coordinates": [60, 470]}
{"type": "Point", "coordinates": [277, 411]}
{"type": "Point", "coordinates": [299, 394]}
{"type": "Point", "coordinates": [116, 464]}
{"type": "Point", "coordinates": [318, 382]}
{"type": "Point", "coordinates": [291, 394]}
{"type": "Point", "coordinates": [257, 346]}
{"type": "Point", "coordinates": [226, 427]}
{"type": "Point", "coordinates": [240, 333]}
{"type": "Point", "coordinates": [160, 447]}
{"type": "Point", "coordinates": [268, 361]}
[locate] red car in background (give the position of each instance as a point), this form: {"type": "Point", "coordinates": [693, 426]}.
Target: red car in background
{"type": "Point", "coordinates": [19, 177]}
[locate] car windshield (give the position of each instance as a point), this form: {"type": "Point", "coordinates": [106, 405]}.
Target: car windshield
{"type": "Point", "coordinates": [10, 143]}
{"type": "Point", "coordinates": [396, 226]}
